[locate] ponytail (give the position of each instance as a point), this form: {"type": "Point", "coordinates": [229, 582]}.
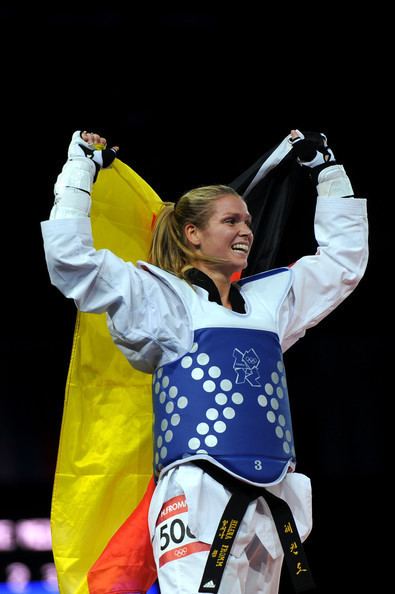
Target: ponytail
{"type": "Point", "coordinates": [168, 249]}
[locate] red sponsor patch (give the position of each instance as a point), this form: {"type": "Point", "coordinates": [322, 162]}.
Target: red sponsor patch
{"type": "Point", "coordinates": [175, 539]}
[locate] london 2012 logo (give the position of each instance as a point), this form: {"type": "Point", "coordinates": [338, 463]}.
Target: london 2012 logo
{"type": "Point", "coordinates": [246, 367]}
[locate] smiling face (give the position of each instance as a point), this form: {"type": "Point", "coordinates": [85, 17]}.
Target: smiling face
{"type": "Point", "coordinates": [227, 235]}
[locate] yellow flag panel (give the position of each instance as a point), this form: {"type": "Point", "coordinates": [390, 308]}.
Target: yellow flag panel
{"type": "Point", "coordinates": [104, 459]}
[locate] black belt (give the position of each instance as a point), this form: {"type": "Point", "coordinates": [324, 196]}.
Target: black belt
{"type": "Point", "coordinates": [242, 494]}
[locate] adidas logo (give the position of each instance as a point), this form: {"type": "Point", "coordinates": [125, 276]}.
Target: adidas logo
{"type": "Point", "coordinates": [209, 584]}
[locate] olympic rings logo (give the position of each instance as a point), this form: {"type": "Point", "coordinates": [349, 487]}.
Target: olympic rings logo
{"type": "Point", "coordinates": [180, 552]}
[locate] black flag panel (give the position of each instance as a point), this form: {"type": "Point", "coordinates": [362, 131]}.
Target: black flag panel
{"type": "Point", "coordinates": [273, 187]}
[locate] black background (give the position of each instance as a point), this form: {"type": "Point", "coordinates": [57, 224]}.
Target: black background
{"type": "Point", "coordinates": [194, 96]}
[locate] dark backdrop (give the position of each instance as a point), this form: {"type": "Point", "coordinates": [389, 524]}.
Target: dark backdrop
{"type": "Point", "coordinates": [194, 96]}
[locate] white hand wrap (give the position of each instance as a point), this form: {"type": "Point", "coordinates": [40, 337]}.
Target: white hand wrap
{"type": "Point", "coordinates": [333, 182]}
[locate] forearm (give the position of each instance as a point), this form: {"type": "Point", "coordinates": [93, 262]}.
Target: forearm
{"type": "Point", "coordinates": [333, 182]}
{"type": "Point", "coordinates": [73, 190]}
{"type": "Point", "coordinates": [341, 226]}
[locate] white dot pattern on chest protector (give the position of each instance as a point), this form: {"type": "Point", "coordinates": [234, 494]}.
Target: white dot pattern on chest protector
{"type": "Point", "coordinates": [275, 377]}
{"type": "Point", "coordinates": [221, 398]}
{"type": "Point", "coordinates": [212, 414]}
{"type": "Point", "coordinates": [237, 398]}
{"type": "Point", "coordinates": [173, 392]}
{"type": "Point", "coordinates": [262, 400]}
{"type": "Point", "coordinates": [182, 402]}
{"type": "Point", "coordinates": [175, 419]}
{"type": "Point", "coordinates": [203, 359]}
{"type": "Point", "coordinates": [219, 389]}
{"type": "Point", "coordinates": [202, 428]}
{"type": "Point", "coordinates": [186, 362]}
{"type": "Point", "coordinates": [214, 372]}
{"type": "Point", "coordinates": [197, 373]}
{"type": "Point", "coordinates": [209, 386]}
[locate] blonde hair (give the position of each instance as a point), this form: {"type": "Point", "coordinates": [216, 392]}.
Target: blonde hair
{"type": "Point", "coordinates": [169, 247]}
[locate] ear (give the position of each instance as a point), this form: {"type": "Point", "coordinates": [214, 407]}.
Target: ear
{"type": "Point", "coordinates": [192, 234]}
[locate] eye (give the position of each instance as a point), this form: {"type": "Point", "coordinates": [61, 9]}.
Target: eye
{"type": "Point", "coordinates": [230, 220]}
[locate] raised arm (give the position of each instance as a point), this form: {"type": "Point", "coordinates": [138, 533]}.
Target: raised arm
{"type": "Point", "coordinates": [146, 320]}
{"type": "Point", "coordinates": [73, 263]}
{"type": "Point", "coordinates": [323, 280]}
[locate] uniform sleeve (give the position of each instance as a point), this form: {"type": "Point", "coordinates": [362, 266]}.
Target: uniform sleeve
{"type": "Point", "coordinates": [322, 281]}
{"type": "Point", "coordinates": [147, 321]}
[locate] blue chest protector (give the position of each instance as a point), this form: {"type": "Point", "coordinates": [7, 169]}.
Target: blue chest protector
{"type": "Point", "coordinates": [226, 400]}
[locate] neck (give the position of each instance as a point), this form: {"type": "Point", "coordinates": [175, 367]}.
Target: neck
{"type": "Point", "coordinates": [220, 279]}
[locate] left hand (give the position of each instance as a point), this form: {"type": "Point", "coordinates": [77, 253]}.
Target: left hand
{"type": "Point", "coordinates": [311, 149]}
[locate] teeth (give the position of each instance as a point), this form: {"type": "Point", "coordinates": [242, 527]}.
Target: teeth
{"type": "Point", "coordinates": [240, 246]}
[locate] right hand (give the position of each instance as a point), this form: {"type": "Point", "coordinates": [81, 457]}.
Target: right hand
{"type": "Point", "coordinates": [91, 146]}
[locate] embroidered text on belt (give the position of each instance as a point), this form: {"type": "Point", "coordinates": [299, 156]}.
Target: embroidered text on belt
{"type": "Point", "coordinates": [242, 495]}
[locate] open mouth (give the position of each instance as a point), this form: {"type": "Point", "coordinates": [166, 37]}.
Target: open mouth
{"type": "Point", "coordinates": [241, 248]}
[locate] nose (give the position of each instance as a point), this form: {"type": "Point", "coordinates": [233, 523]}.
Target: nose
{"type": "Point", "coordinates": [245, 230]}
